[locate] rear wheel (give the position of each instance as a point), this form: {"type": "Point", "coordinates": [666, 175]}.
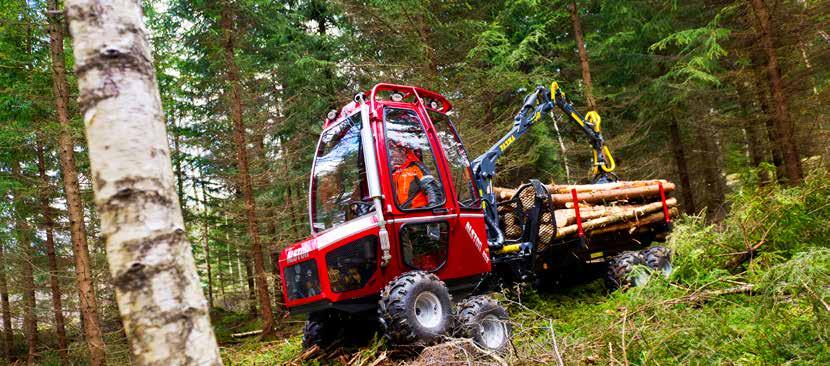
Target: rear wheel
{"type": "Point", "coordinates": [415, 308]}
{"type": "Point", "coordinates": [659, 259]}
{"type": "Point", "coordinates": [621, 271]}
{"type": "Point", "coordinates": [484, 320]}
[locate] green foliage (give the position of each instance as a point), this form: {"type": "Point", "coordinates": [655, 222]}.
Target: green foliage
{"type": "Point", "coordinates": [784, 320]}
{"type": "Point", "coordinates": [783, 220]}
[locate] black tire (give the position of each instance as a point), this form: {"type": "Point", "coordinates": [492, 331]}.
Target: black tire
{"type": "Point", "coordinates": [659, 259]}
{"type": "Point", "coordinates": [620, 268]}
{"type": "Point", "coordinates": [321, 329]}
{"type": "Point", "coordinates": [405, 322]}
{"type": "Point", "coordinates": [484, 320]}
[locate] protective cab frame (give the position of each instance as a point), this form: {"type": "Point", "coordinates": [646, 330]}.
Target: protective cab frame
{"type": "Point", "coordinates": [304, 265]}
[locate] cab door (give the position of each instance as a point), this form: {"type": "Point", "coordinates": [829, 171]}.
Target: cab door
{"type": "Point", "coordinates": [468, 237]}
{"type": "Point", "coordinates": [423, 213]}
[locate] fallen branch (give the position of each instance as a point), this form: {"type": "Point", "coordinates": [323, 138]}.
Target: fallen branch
{"type": "Point", "coordinates": [555, 345]}
{"type": "Point", "coordinates": [701, 297]}
{"type": "Point", "coordinates": [380, 359]}
{"type": "Point", "coordinates": [816, 296]}
{"type": "Point", "coordinates": [246, 334]}
{"type": "Point", "coordinates": [733, 264]}
{"type": "Point", "coordinates": [306, 355]}
{"type": "Point", "coordinates": [744, 257]}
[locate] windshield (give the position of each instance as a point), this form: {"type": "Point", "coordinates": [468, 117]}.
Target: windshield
{"type": "Point", "coordinates": [338, 182]}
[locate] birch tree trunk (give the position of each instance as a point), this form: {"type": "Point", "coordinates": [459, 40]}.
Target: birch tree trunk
{"type": "Point", "coordinates": [49, 227]}
{"type": "Point", "coordinates": [783, 123]}
{"type": "Point", "coordinates": [83, 273]}
{"type": "Point", "coordinates": [583, 58]}
{"type": "Point", "coordinates": [227, 23]}
{"type": "Point", "coordinates": [157, 288]}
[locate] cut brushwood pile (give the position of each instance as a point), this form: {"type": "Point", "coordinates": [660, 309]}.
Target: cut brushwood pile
{"type": "Point", "coordinates": [622, 207]}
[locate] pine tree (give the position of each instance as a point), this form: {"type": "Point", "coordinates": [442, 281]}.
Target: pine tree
{"type": "Point", "coordinates": [244, 177]}
{"type": "Point", "coordinates": [60, 89]}
{"type": "Point", "coordinates": [782, 122]}
{"type": "Point", "coordinates": [583, 58]}
{"type": "Point", "coordinates": [49, 228]}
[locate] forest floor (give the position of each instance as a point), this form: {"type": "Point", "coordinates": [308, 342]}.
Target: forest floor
{"type": "Point", "coordinates": [772, 309]}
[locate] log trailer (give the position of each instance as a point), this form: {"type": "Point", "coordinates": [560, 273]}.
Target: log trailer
{"type": "Point", "coordinates": [375, 256]}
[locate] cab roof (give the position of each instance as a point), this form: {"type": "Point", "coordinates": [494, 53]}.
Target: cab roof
{"type": "Point", "coordinates": [383, 93]}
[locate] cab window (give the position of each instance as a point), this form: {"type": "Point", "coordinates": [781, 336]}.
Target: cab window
{"type": "Point", "coordinates": [425, 246]}
{"type": "Point", "coordinates": [416, 182]}
{"type": "Point", "coordinates": [339, 190]}
{"type": "Point", "coordinates": [457, 158]}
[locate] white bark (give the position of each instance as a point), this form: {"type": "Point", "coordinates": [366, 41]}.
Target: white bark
{"type": "Point", "coordinates": [158, 290]}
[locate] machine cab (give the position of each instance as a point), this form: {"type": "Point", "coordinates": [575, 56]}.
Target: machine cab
{"type": "Point", "coordinates": [390, 191]}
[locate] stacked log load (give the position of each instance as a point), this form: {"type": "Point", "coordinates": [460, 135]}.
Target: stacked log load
{"type": "Point", "coordinates": [620, 207]}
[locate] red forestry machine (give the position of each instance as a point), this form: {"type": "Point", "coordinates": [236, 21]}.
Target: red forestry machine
{"type": "Point", "coordinates": [402, 222]}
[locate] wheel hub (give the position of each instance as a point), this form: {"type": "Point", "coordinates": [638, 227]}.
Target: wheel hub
{"type": "Point", "coordinates": [493, 331]}
{"type": "Point", "coordinates": [428, 309]}
{"type": "Point", "coordinates": [667, 269]}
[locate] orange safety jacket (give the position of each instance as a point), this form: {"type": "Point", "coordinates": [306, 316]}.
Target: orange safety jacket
{"type": "Point", "coordinates": [407, 178]}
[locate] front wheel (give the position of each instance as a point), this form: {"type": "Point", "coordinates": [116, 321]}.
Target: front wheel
{"type": "Point", "coordinates": [484, 320]}
{"type": "Point", "coordinates": [415, 308]}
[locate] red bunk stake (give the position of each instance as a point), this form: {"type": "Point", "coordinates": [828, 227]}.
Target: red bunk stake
{"type": "Point", "coordinates": [666, 213]}
{"type": "Point", "coordinates": [576, 211]}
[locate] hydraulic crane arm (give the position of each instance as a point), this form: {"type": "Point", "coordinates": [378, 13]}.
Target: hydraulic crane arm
{"type": "Point", "coordinates": [603, 162]}
{"type": "Point", "coordinates": [535, 105]}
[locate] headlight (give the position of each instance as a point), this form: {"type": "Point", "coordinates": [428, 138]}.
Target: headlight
{"type": "Point", "coordinates": [301, 280]}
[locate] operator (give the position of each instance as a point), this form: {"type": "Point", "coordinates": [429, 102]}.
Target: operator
{"type": "Point", "coordinates": [414, 186]}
